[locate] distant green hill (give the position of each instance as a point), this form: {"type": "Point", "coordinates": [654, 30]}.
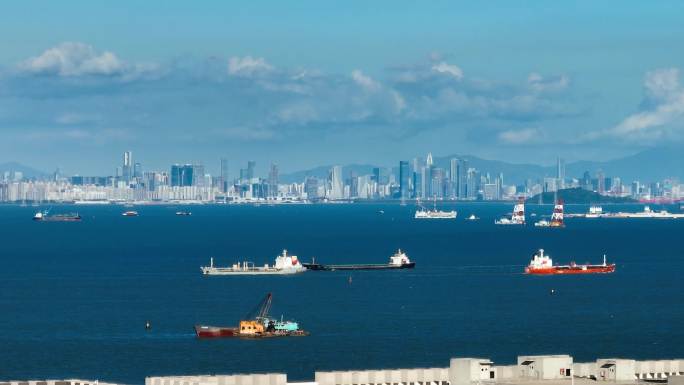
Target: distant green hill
{"type": "Point", "coordinates": [577, 195]}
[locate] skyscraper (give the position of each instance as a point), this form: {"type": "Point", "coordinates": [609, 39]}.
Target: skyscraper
{"type": "Point", "coordinates": [127, 169]}
{"type": "Point", "coordinates": [273, 181]}
{"type": "Point", "coordinates": [336, 187]}
{"type": "Point", "coordinates": [453, 174]}
{"type": "Point", "coordinates": [223, 179]}
{"type": "Point", "coordinates": [251, 165]}
{"type": "Point", "coordinates": [462, 178]}
{"type": "Point", "coordinates": [404, 179]}
{"type": "Point", "coordinates": [560, 172]}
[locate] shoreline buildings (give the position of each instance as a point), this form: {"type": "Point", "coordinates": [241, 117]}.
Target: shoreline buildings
{"type": "Point", "coordinates": [418, 179]}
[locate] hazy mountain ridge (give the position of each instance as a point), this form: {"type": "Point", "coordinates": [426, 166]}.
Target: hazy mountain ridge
{"type": "Point", "coordinates": [645, 166]}
{"type": "Point", "coordinates": [28, 172]}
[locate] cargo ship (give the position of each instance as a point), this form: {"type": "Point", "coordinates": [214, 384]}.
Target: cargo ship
{"type": "Point", "coordinates": [424, 213]}
{"type": "Point", "coordinates": [518, 216]}
{"type": "Point", "coordinates": [284, 264]}
{"type": "Point", "coordinates": [556, 217]}
{"type": "Point", "coordinates": [398, 260]}
{"type": "Point", "coordinates": [44, 216]}
{"type": "Point", "coordinates": [257, 324]}
{"type": "Point", "coordinates": [543, 265]}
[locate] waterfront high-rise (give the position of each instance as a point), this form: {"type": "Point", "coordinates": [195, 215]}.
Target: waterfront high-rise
{"type": "Point", "coordinates": [404, 179]}
{"type": "Point", "coordinates": [273, 181]}
{"type": "Point", "coordinates": [223, 178]}
{"type": "Point", "coordinates": [127, 169]}
{"type": "Point", "coordinates": [335, 180]}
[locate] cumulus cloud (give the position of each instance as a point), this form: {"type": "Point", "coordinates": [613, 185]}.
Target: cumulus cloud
{"type": "Point", "coordinates": [365, 81]}
{"type": "Point", "coordinates": [74, 59]}
{"type": "Point", "coordinates": [448, 69]}
{"type": "Point", "coordinates": [542, 84]}
{"type": "Point", "coordinates": [247, 66]}
{"type": "Point", "coordinates": [662, 110]}
{"type": "Point", "coordinates": [521, 136]}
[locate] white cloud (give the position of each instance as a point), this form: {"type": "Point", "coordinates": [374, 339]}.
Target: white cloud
{"type": "Point", "coordinates": [522, 136]}
{"type": "Point", "coordinates": [664, 107]}
{"type": "Point", "coordinates": [365, 81]}
{"type": "Point", "coordinates": [247, 66]}
{"type": "Point", "coordinates": [448, 69]}
{"type": "Point", "coordinates": [74, 59]}
{"type": "Point", "coordinates": [541, 84]}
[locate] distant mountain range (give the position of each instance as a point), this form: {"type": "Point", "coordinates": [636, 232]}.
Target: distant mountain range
{"type": "Point", "coordinates": [649, 165]}
{"type": "Point", "coordinates": [27, 172]}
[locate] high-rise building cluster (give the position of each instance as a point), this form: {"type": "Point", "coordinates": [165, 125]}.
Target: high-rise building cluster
{"type": "Point", "coordinates": [420, 178]}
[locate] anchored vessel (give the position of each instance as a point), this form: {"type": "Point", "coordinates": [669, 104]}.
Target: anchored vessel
{"type": "Point", "coordinates": [543, 265]}
{"type": "Point", "coordinates": [284, 264]}
{"type": "Point", "coordinates": [257, 324]}
{"type": "Point", "coordinates": [424, 213]}
{"type": "Point", "coordinates": [472, 217]}
{"type": "Point", "coordinates": [518, 216]}
{"type": "Point", "coordinates": [44, 216]}
{"type": "Point", "coordinates": [398, 260]}
{"type": "Point", "coordinates": [556, 217]}
{"type": "Point", "coordinates": [183, 213]}
{"type": "Point", "coordinates": [130, 214]}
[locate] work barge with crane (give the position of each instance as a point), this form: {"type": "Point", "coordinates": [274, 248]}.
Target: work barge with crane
{"type": "Point", "coordinates": [257, 324]}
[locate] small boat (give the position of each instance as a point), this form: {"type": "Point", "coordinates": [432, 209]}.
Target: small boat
{"type": "Point", "coordinates": [130, 214]}
{"type": "Point", "coordinates": [183, 213]}
{"type": "Point", "coordinates": [472, 217]}
{"type": "Point", "coordinates": [543, 265]}
{"type": "Point", "coordinates": [424, 213]}
{"type": "Point", "coordinates": [518, 216]}
{"type": "Point", "coordinates": [284, 264]}
{"type": "Point", "coordinates": [259, 324]}
{"type": "Point", "coordinates": [398, 260]}
{"type": "Point", "coordinates": [44, 216]}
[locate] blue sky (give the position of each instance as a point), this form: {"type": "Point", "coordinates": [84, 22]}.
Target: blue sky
{"type": "Point", "coordinates": [309, 83]}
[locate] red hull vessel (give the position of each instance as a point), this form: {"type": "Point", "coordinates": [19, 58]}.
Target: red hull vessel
{"type": "Point", "coordinates": [543, 265]}
{"type": "Point", "coordinates": [203, 331]}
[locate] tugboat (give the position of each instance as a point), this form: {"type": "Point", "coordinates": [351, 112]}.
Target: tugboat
{"type": "Point", "coordinates": [257, 324]}
{"type": "Point", "coordinates": [472, 217]}
{"type": "Point", "coordinates": [543, 265]}
{"type": "Point", "coordinates": [44, 216]}
{"type": "Point", "coordinates": [424, 213]}
{"type": "Point", "coordinates": [284, 264]}
{"type": "Point", "coordinates": [398, 260]}
{"type": "Point", "coordinates": [518, 216]}
{"type": "Point", "coordinates": [556, 217]}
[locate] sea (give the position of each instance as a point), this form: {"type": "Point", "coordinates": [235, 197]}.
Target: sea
{"type": "Point", "coordinates": [75, 297]}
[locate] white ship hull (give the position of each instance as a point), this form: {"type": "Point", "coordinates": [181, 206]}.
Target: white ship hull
{"type": "Point", "coordinates": [435, 215]}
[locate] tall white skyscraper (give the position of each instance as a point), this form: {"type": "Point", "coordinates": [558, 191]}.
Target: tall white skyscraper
{"type": "Point", "coordinates": [336, 186]}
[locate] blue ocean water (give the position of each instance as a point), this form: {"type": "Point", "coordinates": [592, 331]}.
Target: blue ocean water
{"type": "Point", "coordinates": [74, 297]}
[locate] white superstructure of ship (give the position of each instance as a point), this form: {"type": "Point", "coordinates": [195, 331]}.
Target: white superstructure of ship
{"type": "Point", "coordinates": [518, 216]}
{"type": "Point", "coordinates": [284, 264]}
{"type": "Point", "coordinates": [594, 212]}
{"type": "Point", "coordinates": [424, 213]}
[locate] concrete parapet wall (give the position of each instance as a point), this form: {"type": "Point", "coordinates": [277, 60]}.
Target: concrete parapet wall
{"type": "Point", "coordinates": [420, 376]}
{"type": "Point", "coordinates": [56, 382]}
{"type": "Point", "coordinates": [238, 379]}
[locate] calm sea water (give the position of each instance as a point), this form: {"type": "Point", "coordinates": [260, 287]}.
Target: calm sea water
{"type": "Point", "coordinates": [74, 297]}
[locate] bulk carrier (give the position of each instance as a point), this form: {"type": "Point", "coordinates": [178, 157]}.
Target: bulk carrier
{"type": "Point", "coordinates": [44, 216]}
{"type": "Point", "coordinates": [398, 260]}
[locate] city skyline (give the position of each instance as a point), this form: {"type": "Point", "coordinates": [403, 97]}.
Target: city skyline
{"type": "Point", "coordinates": [370, 88]}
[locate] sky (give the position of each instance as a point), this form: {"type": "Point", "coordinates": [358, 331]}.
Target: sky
{"type": "Point", "coordinates": [310, 83]}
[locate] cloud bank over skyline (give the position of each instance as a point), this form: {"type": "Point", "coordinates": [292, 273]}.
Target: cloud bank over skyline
{"type": "Point", "coordinates": [80, 102]}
